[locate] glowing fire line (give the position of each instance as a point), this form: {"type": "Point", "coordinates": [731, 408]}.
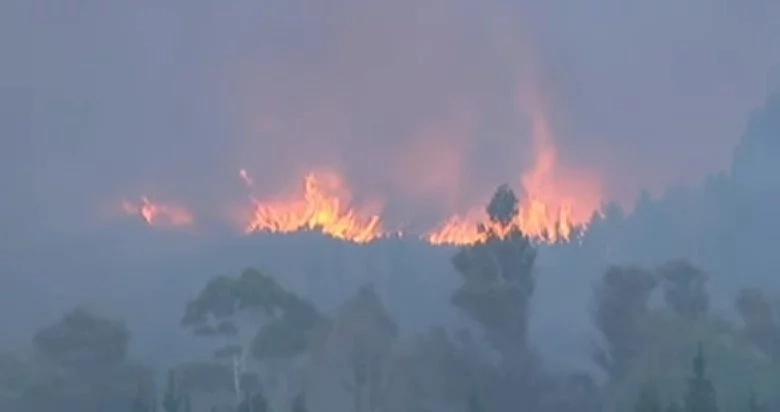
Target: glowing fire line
{"type": "Point", "coordinates": [320, 209]}
{"type": "Point", "coordinates": [551, 199]}
{"type": "Point", "coordinates": [556, 205]}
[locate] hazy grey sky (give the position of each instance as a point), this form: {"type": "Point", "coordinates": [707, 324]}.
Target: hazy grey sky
{"type": "Point", "coordinates": [415, 102]}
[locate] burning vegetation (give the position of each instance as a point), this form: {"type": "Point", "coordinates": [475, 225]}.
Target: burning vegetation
{"type": "Point", "coordinates": [324, 206]}
{"type": "Point", "coordinates": [158, 214]}
{"type": "Point", "coordinates": [557, 203]}
{"type": "Point", "coordinates": [555, 206]}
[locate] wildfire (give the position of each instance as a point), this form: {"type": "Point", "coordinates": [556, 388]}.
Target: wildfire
{"type": "Point", "coordinates": [156, 214]}
{"type": "Point", "coordinates": [555, 204]}
{"type": "Point", "coordinates": [323, 206]}
{"type": "Point", "coordinates": [534, 219]}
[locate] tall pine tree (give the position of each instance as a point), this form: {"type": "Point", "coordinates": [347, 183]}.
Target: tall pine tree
{"type": "Point", "coordinates": [701, 394]}
{"type": "Point", "coordinates": [172, 400]}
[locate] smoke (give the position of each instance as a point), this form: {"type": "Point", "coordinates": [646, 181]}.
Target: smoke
{"type": "Point", "coordinates": [424, 104]}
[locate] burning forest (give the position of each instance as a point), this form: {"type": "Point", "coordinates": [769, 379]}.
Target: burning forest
{"type": "Point", "coordinates": [389, 206]}
{"type": "Point", "coordinates": [555, 206]}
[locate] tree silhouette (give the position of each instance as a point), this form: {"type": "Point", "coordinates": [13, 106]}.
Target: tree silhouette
{"type": "Point", "coordinates": [84, 360]}
{"type": "Point", "coordinates": [498, 279]}
{"type": "Point", "coordinates": [648, 400]}
{"type": "Point", "coordinates": [474, 405]}
{"type": "Point", "coordinates": [256, 315]}
{"type": "Point", "coordinates": [144, 400]}
{"type": "Point", "coordinates": [758, 316]}
{"type": "Point", "coordinates": [502, 208]}
{"type": "Point", "coordinates": [684, 289]}
{"type": "Point", "coordinates": [701, 394]}
{"type": "Point", "coordinates": [85, 344]}
{"type": "Point", "coordinates": [299, 404]}
{"type": "Point", "coordinates": [366, 333]}
{"type": "Point", "coordinates": [621, 307]}
{"type": "Point", "coordinates": [173, 400]}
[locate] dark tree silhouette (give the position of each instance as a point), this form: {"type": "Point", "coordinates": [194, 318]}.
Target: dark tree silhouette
{"type": "Point", "coordinates": [648, 400]}
{"type": "Point", "coordinates": [274, 322]}
{"type": "Point", "coordinates": [621, 308]}
{"type": "Point", "coordinates": [144, 400]}
{"type": "Point", "coordinates": [474, 405]}
{"type": "Point", "coordinates": [365, 334]}
{"type": "Point", "coordinates": [502, 208]}
{"type": "Point", "coordinates": [253, 403]}
{"type": "Point", "coordinates": [498, 280]}
{"type": "Point", "coordinates": [684, 289]}
{"type": "Point", "coordinates": [760, 324]}
{"type": "Point", "coordinates": [700, 396]}
{"type": "Point", "coordinates": [173, 400]}
{"type": "Point", "coordinates": [85, 344]}
{"type": "Point", "coordinates": [299, 404]}
{"type": "Point", "coordinates": [85, 359]}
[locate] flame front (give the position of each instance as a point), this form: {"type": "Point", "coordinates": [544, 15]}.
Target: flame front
{"type": "Point", "coordinates": [156, 214]}
{"type": "Point", "coordinates": [324, 207]}
{"type": "Point", "coordinates": [555, 204]}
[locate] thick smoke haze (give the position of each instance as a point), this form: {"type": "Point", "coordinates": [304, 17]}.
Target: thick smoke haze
{"type": "Point", "coordinates": [666, 113]}
{"type": "Point", "coordinates": [422, 105]}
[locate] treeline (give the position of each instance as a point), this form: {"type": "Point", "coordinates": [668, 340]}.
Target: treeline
{"type": "Point", "coordinates": [272, 350]}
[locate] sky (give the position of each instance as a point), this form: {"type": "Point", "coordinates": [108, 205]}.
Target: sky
{"type": "Point", "coordinates": [422, 105]}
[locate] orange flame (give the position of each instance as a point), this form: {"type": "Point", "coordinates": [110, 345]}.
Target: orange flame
{"type": "Point", "coordinates": [156, 214]}
{"type": "Point", "coordinates": [557, 203]}
{"type": "Point", "coordinates": [324, 207]}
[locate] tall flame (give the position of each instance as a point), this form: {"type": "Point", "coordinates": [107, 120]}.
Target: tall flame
{"type": "Point", "coordinates": [156, 214]}
{"type": "Point", "coordinates": [555, 204]}
{"type": "Point", "coordinates": [324, 206]}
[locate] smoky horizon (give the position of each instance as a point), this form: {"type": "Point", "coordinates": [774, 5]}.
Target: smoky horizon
{"type": "Point", "coordinates": [389, 206]}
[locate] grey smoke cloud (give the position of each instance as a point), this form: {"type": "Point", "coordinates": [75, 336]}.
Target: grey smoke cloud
{"type": "Point", "coordinates": [415, 102]}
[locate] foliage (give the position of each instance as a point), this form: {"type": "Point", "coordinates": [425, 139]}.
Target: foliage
{"type": "Point", "coordinates": [473, 404]}
{"type": "Point", "coordinates": [204, 377]}
{"type": "Point", "coordinates": [14, 376]}
{"type": "Point", "coordinates": [143, 401]}
{"type": "Point", "coordinates": [701, 393]}
{"type": "Point", "coordinates": [621, 307]}
{"type": "Point", "coordinates": [299, 404]}
{"type": "Point", "coordinates": [173, 400]}
{"type": "Point", "coordinates": [759, 321]}
{"type": "Point", "coordinates": [215, 310]}
{"type": "Point", "coordinates": [502, 208]}
{"type": "Point", "coordinates": [79, 363]}
{"type": "Point", "coordinates": [649, 400]}
{"type": "Point", "coordinates": [255, 402]}
{"type": "Point", "coordinates": [498, 280]}
{"type": "Point", "coordinates": [733, 365]}
{"type": "Point", "coordinates": [369, 342]}
{"type": "Point", "coordinates": [256, 315]}
{"type": "Point", "coordinates": [684, 288]}
{"type": "Point", "coordinates": [84, 343]}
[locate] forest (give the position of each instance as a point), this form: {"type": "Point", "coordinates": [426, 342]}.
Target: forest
{"type": "Point", "coordinates": [274, 350]}
{"type": "Point", "coordinates": [677, 327]}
